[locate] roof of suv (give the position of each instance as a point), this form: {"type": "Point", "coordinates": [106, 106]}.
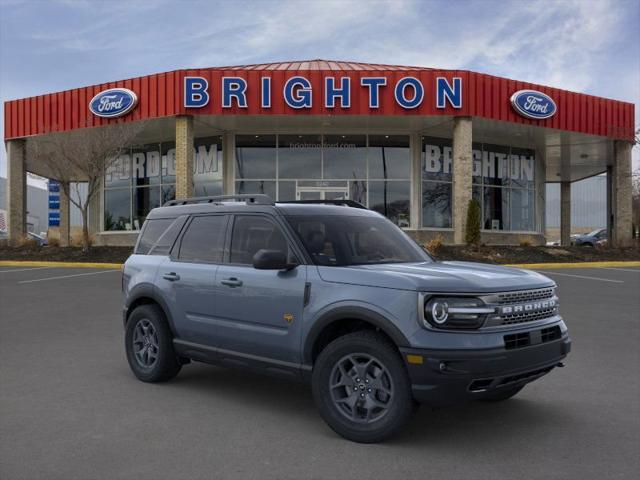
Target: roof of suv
{"type": "Point", "coordinates": [285, 208]}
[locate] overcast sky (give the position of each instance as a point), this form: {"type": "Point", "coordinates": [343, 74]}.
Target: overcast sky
{"type": "Point", "coordinates": [582, 45]}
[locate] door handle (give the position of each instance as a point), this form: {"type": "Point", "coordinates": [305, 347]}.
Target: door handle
{"type": "Point", "coordinates": [231, 282]}
{"type": "Point", "coordinates": [171, 276]}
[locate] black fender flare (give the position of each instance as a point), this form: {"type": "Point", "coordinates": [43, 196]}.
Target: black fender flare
{"type": "Point", "coordinates": [148, 291]}
{"type": "Point", "coordinates": [351, 313]}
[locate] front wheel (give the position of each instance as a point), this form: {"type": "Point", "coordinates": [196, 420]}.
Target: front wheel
{"type": "Point", "coordinates": [149, 345]}
{"type": "Point", "coordinates": [362, 388]}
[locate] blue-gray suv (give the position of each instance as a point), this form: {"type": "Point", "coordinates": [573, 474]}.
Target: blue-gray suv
{"type": "Point", "coordinates": [336, 295]}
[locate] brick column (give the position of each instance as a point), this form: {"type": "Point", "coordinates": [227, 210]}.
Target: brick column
{"type": "Point", "coordinates": [565, 213]}
{"type": "Point", "coordinates": [621, 185]}
{"type": "Point", "coordinates": [65, 216]}
{"type": "Point", "coordinates": [184, 156]}
{"type": "Point", "coordinates": [416, 181]}
{"type": "Point", "coordinates": [228, 163]}
{"type": "Point", "coordinates": [16, 191]}
{"type": "Point", "coordinates": [462, 175]}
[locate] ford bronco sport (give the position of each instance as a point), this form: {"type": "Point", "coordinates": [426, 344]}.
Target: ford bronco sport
{"type": "Point", "coordinates": [336, 295]}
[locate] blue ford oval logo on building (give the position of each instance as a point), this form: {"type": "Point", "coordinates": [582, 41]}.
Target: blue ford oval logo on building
{"type": "Point", "coordinates": [114, 102]}
{"type": "Point", "coordinates": [533, 104]}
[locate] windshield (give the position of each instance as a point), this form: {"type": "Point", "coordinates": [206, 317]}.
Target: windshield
{"type": "Point", "coordinates": [343, 240]}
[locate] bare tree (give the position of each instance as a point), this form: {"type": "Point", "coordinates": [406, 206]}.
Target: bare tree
{"type": "Point", "coordinates": [82, 156]}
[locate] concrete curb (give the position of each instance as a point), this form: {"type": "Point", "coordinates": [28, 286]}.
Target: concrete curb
{"type": "Point", "coordinates": [532, 266]}
{"type": "Point", "coordinates": [29, 263]}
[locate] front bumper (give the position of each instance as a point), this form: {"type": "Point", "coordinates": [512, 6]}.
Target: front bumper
{"type": "Point", "coordinates": [452, 376]}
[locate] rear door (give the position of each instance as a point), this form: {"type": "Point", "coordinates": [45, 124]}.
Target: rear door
{"type": "Point", "coordinates": [186, 278]}
{"type": "Point", "coordinates": [259, 312]}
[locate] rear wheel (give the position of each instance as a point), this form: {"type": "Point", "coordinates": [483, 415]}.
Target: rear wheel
{"type": "Point", "coordinates": [502, 394]}
{"type": "Point", "coordinates": [361, 387]}
{"type": "Point", "coordinates": [149, 345]}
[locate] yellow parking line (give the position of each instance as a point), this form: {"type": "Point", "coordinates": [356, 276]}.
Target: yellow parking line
{"type": "Point", "coordinates": [29, 263]}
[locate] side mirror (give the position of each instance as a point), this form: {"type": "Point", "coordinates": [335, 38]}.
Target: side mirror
{"type": "Point", "coordinates": [271, 260]}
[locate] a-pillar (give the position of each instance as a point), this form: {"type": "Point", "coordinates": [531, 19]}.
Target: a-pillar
{"type": "Point", "coordinates": [184, 156]}
{"type": "Point", "coordinates": [565, 213]}
{"type": "Point", "coordinates": [16, 191]}
{"type": "Point", "coordinates": [462, 175]}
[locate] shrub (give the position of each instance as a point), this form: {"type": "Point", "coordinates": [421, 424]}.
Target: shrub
{"type": "Point", "coordinates": [472, 234]}
{"type": "Point", "coordinates": [434, 245]}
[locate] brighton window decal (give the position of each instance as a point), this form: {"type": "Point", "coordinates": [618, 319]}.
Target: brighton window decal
{"type": "Point", "coordinates": [533, 104]}
{"type": "Point", "coordinates": [114, 102]}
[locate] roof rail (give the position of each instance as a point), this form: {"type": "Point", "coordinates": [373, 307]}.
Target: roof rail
{"type": "Point", "coordinates": [346, 203]}
{"type": "Point", "coordinates": [257, 199]}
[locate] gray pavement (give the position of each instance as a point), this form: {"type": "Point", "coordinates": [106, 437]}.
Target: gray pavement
{"type": "Point", "coordinates": [70, 408]}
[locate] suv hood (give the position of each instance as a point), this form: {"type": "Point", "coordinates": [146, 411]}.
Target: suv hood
{"type": "Point", "coordinates": [451, 277]}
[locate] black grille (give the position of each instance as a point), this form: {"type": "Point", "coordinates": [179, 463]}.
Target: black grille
{"type": "Point", "coordinates": [508, 298]}
{"type": "Point", "coordinates": [520, 340]}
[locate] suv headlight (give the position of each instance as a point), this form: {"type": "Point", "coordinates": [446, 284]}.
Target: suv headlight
{"type": "Point", "coordinates": [455, 312]}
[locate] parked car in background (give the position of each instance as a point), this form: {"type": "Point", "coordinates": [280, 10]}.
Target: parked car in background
{"type": "Point", "coordinates": [590, 239]}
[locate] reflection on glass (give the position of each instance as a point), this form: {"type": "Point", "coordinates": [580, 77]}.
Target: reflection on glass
{"type": "Point", "coordinates": [286, 190]}
{"type": "Point", "coordinates": [145, 165]}
{"type": "Point", "coordinates": [522, 163]}
{"type": "Point", "coordinates": [117, 209]}
{"type": "Point", "coordinates": [345, 156]}
{"type": "Point", "coordinates": [300, 156]}
{"type": "Point", "coordinates": [168, 162]}
{"type": "Point", "coordinates": [392, 199]}
{"type": "Point", "coordinates": [496, 208]}
{"type": "Point", "coordinates": [255, 156]}
{"type": "Point", "coordinates": [495, 164]}
{"type": "Point", "coordinates": [207, 166]}
{"type": "Point", "coordinates": [522, 210]}
{"type": "Point", "coordinates": [118, 173]}
{"type": "Point", "coordinates": [437, 163]}
{"type": "Point", "coordinates": [144, 200]}
{"type": "Point", "coordinates": [436, 204]}
{"type": "Point", "coordinates": [257, 186]}
{"type": "Point", "coordinates": [389, 157]}
{"type": "Point", "coordinates": [168, 193]}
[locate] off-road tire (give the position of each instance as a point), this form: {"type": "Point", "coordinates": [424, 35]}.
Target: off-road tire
{"type": "Point", "coordinates": [166, 364]}
{"type": "Point", "coordinates": [400, 404]}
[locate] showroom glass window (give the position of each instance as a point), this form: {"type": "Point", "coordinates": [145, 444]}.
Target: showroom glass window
{"type": "Point", "coordinates": [143, 178]}
{"type": "Point", "coordinates": [437, 175]}
{"type": "Point", "coordinates": [373, 170]}
{"type": "Point", "coordinates": [503, 184]}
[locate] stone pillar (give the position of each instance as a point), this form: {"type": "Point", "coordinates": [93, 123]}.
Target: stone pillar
{"type": "Point", "coordinates": [184, 156]}
{"type": "Point", "coordinates": [416, 180]}
{"type": "Point", "coordinates": [16, 191]}
{"type": "Point", "coordinates": [462, 175]}
{"type": "Point", "coordinates": [565, 213]}
{"type": "Point", "coordinates": [228, 163]}
{"type": "Point", "coordinates": [621, 184]}
{"type": "Point", "coordinates": [65, 216]}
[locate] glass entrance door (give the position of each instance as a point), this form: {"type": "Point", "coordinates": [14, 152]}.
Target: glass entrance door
{"type": "Point", "coordinates": [322, 193]}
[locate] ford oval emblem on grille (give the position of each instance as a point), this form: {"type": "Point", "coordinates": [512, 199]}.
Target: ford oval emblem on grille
{"type": "Point", "coordinates": [533, 104]}
{"type": "Point", "coordinates": [114, 102]}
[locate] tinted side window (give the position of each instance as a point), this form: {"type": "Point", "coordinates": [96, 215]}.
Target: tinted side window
{"type": "Point", "coordinates": [204, 239]}
{"type": "Point", "coordinates": [253, 233]}
{"type": "Point", "coordinates": [152, 231]}
{"type": "Point", "coordinates": [168, 238]}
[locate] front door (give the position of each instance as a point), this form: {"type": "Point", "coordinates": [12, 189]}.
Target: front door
{"type": "Point", "coordinates": [259, 312]}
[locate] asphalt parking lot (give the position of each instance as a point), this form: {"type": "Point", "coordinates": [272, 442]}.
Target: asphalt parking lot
{"type": "Point", "coordinates": [70, 408]}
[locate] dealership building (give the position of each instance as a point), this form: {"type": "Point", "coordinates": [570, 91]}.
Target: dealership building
{"type": "Point", "coordinates": [415, 144]}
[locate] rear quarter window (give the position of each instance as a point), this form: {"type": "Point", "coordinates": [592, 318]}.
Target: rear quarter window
{"type": "Point", "coordinates": [158, 235]}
